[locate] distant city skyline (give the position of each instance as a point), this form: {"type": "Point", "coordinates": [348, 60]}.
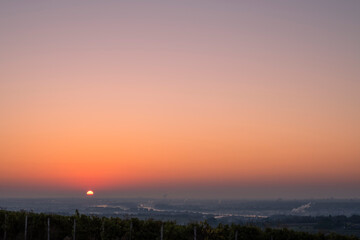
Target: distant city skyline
{"type": "Point", "coordinates": [194, 99]}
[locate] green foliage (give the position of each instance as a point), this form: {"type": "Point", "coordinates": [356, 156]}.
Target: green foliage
{"type": "Point", "coordinates": [96, 228]}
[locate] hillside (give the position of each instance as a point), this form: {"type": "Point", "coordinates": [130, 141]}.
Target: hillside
{"type": "Point", "coordinates": [15, 225]}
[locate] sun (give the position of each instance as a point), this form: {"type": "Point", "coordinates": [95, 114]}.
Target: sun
{"type": "Point", "coordinates": [89, 193]}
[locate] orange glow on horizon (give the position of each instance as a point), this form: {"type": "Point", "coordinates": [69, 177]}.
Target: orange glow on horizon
{"type": "Point", "coordinates": [122, 96]}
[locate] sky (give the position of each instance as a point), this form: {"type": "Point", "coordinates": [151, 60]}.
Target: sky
{"type": "Point", "coordinates": [195, 99]}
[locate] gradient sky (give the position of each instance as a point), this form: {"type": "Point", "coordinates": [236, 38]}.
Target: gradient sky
{"type": "Point", "coordinates": [224, 99]}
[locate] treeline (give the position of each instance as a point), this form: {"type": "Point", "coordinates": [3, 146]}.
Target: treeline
{"type": "Point", "coordinates": [34, 226]}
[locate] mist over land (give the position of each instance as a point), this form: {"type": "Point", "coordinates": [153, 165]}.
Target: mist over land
{"type": "Point", "coordinates": [187, 210]}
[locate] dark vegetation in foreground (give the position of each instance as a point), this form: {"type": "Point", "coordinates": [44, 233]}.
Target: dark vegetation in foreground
{"type": "Point", "coordinates": [13, 227]}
